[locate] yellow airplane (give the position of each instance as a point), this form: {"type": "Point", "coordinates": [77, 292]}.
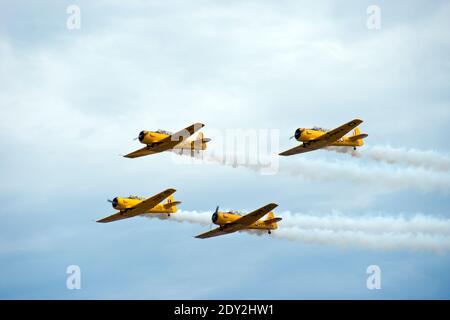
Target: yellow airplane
{"type": "Point", "coordinates": [230, 222]}
{"type": "Point", "coordinates": [160, 140]}
{"type": "Point", "coordinates": [133, 206]}
{"type": "Point", "coordinates": [317, 138]}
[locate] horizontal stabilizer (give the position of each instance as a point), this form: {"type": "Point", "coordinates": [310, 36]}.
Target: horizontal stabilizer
{"type": "Point", "coordinates": [201, 138]}
{"type": "Point", "coordinates": [171, 204]}
{"type": "Point", "coordinates": [357, 137]}
{"type": "Point", "coordinates": [274, 220]}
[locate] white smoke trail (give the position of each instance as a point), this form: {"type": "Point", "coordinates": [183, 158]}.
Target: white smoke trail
{"type": "Point", "coordinates": [392, 178]}
{"type": "Point", "coordinates": [412, 157]}
{"type": "Point", "coordinates": [360, 239]}
{"type": "Point", "coordinates": [417, 233]}
{"type": "Point", "coordinates": [324, 170]}
{"type": "Point", "coordinates": [373, 224]}
{"type": "Point", "coordinates": [201, 218]}
{"type": "Point", "coordinates": [425, 170]}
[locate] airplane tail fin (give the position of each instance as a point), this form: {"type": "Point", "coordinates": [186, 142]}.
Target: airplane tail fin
{"type": "Point", "coordinates": [204, 141]}
{"type": "Point", "coordinates": [358, 137]}
{"type": "Point", "coordinates": [271, 221]}
{"type": "Point", "coordinates": [197, 144]}
{"type": "Point", "coordinates": [171, 204]}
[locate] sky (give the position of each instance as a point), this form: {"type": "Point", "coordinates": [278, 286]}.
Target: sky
{"type": "Point", "coordinates": [72, 100]}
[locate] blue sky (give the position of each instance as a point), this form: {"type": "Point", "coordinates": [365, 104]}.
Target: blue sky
{"type": "Point", "coordinates": [72, 101]}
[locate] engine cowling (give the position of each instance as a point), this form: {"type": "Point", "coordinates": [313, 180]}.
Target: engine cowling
{"type": "Point", "coordinates": [221, 218]}
{"type": "Point", "coordinates": [298, 134]}
{"type": "Point", "coordinates": [115, 203]}
{"type": "Point", "coordinates": [142, 135]}
{"type": "Point", "coordinates": [145, 137]}
{"type": "Point", "coordinates": [149, 137]}
{"type": "Point", "coordinates": [119, 203]}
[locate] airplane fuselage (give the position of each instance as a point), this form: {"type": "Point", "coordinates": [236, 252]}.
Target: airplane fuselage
{"type": "Point", "coordinates": [124, 204]}
{"type": "Point", "coordinates": [162, 140]}
{"type": "Point", "coordinates": [305, 135]}
{"type": "Point", "coordinates": [224, 218]}
{"type": "Point", "coordinates": [151, 137]}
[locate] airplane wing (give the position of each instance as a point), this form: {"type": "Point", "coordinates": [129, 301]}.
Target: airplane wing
{"type": "Point", "coordinates": [139, 153]}
{"type": "Point", "coordinates": [240, 223]}
{"type": "Point", "coordinates": [213, 233]}
{"type": "Point", "coordinates": [167, 143]}
{"type": "Point", "coordinates": [140, 208]}
{"type": "Point", "coordinates": [339, 132]}
{"type": "Point", "coordinates": [254, 216]}
{"type": "Point", "coordinates": [300, 149]}
{"type": "Point", "coordinates": [324, 140]}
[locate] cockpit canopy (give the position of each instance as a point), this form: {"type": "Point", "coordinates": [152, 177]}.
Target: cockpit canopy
{"type": "Point", "coordinates": [163, 132]}
{"type": "Point", "coordinates": [136, 197]}
{"type": "Point", "coordinates": [320, 129]}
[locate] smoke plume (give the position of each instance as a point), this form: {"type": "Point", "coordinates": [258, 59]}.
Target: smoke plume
{"type": "Point", "coordinates": [391, 177]}
{"type": "Point", "coordinates": [410, 157]}
{"type": "Point", "coordinates": [417, 233]}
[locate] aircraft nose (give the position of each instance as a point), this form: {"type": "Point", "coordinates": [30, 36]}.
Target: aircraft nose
{"type": "Point", "coordinates": [141, 135]}
{"type": "Point", "coordinates": [298, 133]}
{"type": "Point", "coordinates": [115, 202]}
{"type": "Point", "coordinates": [214, 217]}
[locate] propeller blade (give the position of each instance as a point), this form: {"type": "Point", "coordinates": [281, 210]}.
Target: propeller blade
{"type": "Point", "coordinates": [109, 200]}
{"type": "Point", "coordinates": [215, 215]}
{"type": "Point", "coordinates": [135, 138]}
{"type": "Point", "coordinates": [290, 138]}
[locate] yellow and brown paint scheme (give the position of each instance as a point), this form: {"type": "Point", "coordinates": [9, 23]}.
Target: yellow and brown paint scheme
{"type": "Point", "coordinates": [225, 218]}
{"type": "Point", "coordinates": [230, 222]}
{"type": "Point", "coordinates": [126, 203]}
{"type": "Point", "coordinates": [317, 138]}
{"type": "Point", "coordinates": [161, 140]}
{"type": "Point", "coordinates": [306, 135]}
{"type": "Point", "coordinates": [133, 206]}
{"type": "Point", "coordinates": [151, 138]}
